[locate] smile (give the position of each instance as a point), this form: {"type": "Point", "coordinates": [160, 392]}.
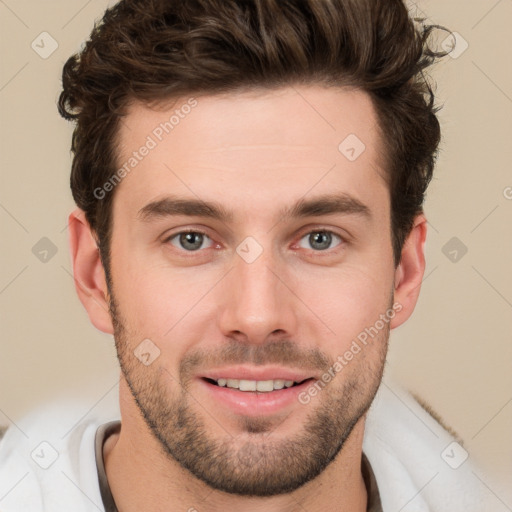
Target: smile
{"type": "Point", "coordinates": [263, 386]}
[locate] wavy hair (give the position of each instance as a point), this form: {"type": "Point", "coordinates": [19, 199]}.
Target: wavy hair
{"type": "Point", "coordinates": [153, 50]}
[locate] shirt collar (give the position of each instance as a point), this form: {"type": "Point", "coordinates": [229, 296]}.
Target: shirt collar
{"type": "Point", "coordinates": [107, 429]}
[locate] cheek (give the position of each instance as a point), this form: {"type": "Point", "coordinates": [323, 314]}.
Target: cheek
{"type": "Point", "coordinates": [157, 301]}
{"type": "Point", "coordinates": [346, 302]}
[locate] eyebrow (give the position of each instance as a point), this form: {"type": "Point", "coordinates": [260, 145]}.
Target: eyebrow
{"type": "Point", "coordinates": [172, 205]}
{"type": "Point", "coordinates": [328, 204]}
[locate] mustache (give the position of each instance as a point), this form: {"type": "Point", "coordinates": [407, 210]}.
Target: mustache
{"type": "Point", "coordinates": [282, 352]}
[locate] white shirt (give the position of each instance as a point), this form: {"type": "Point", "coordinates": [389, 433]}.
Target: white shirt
{"type": "Point", "coordinates": [417, 464]}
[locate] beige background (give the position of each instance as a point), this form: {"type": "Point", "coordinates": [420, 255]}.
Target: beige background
{"type": "Point", "coordinates": [455, 352]}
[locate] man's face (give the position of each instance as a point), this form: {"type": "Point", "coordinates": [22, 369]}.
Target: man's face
{"type": "Point", "coordinates": [272, 291]}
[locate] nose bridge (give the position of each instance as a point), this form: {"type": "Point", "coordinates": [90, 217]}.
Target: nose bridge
{"type": "Point", "coordinates": [257, 303]}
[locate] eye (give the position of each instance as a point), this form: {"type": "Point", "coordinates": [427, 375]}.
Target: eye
{"type": "Point", "coordinates": [319, 240]}
{"type": "Point", "coordinates": [189, 240]}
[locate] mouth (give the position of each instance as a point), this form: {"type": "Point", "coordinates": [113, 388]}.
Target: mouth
{"type": "Point", "coordinates": [263, 395]}
{"type": "Point", "coordinates": [259, 386]}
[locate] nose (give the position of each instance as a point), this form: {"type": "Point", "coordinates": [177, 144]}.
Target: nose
{"type": "Point", "coordinates": [258, 302]}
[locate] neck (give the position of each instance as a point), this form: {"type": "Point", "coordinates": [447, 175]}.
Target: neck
{"type": "Point", "coordinates": [142, 477]}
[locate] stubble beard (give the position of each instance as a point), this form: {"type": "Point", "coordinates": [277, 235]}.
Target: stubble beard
{"type": "Point", "coordinates": [259, 461]}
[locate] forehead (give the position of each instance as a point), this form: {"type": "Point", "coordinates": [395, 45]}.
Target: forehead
{"type": "Point", "coordinates": [260, 146]}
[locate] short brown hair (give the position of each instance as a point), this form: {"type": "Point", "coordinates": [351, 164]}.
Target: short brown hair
{"type": "Point", "coordinates": [151, 50]}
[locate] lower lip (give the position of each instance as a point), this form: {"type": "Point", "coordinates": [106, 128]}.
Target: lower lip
{"type": "Point", "coordinates": [254, 403]}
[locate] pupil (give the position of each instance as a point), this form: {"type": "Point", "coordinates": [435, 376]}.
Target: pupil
{"type": "Point", "coordinates": [191, 241]}
{"type": "Point", "coordinates": [316, 240]}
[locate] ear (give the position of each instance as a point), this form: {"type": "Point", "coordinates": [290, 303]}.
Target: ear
{"type": "Point", "coordinates": [409, 273]}
{"type": "Point", "coordinates": [89, 275]}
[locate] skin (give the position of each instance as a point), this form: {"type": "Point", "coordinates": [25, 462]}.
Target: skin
{"type": "Point", "coordinates": [253, 153]}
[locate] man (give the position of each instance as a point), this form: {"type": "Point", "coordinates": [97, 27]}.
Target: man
{"type": "Point", "coordinates": [249, 178]}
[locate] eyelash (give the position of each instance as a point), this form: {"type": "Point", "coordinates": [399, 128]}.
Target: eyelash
{"type": "Point", "coordinates": [343, 241]}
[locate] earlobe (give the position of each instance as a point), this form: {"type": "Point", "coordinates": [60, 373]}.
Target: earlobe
{"type": "Point", "coordinates": [88, 272]}
{"type": "Point", "coordinates": [410, 271]}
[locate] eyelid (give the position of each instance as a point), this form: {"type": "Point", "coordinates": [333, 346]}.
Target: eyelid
{"type": "Point", "coordinates": [314, 228]}
{"type": "Point", "coordinates": [170, 233]}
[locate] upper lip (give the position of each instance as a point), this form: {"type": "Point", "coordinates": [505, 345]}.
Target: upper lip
{"type": "Point", "coordinates": [257, 373]}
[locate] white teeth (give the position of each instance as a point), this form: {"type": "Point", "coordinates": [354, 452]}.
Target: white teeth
{"type": "Point", "coordinates": [263, 386]}
{"type": "Point", "coordinates": [247, 385]}
{"type": "Point", "coordinates": [278, 384]}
